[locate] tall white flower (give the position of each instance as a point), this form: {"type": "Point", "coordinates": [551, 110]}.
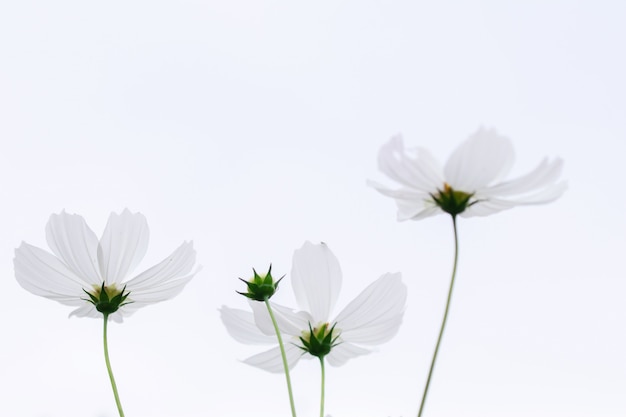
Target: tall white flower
{"type": "Point", "coordinates": [469, 184]}
{"type": "Point", "coordinates": [370, 319]}
{"type": "Point", "coordinates": [85, 271]}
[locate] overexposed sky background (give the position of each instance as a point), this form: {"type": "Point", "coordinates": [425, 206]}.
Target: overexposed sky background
{"type": "Point", "coordinates": [252, 126]}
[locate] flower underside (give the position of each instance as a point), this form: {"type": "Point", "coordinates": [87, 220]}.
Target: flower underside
{"type": "Point", "coordinates": [108, 299]}
{"type": "Point", "coordinates": [452, 201]}
{"type": "Point", "coordinates": [261, 287]}
{"type": "Point", "coordinates": [319, 341]}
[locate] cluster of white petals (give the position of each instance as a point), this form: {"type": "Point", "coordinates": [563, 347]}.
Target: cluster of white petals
{"type": "Point", "coordinates": [82, 263]}
{"type": "Point", "coordinates": [372, 318]}
{"type": "Point", "coordinates": [476, 168]}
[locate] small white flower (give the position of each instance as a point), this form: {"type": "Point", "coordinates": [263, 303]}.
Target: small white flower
{"type": "Point", "coordinates": [85, 266]}
{"type": "Point", "coordinates": [370, 319]}
{"type": "Point", "coordinates": [469, 184]}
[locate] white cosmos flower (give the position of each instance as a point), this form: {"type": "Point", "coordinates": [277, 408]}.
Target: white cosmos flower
{"type": "Point", "coordinates": [82, 264]}
{"type": "Point", "coordinates": [370, 319]}
{"type": "Point", "coordinates": [474, 170]}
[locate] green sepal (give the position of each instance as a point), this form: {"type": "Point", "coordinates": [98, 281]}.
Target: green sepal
{"type": "Point", "coordinates": [105, 303]}
{"type": "Point", "coordinates": [319, 341]}
{"type": "Point", "coordinates": [260, 288]}
{"type": "Point", "coordinates": [451, 201]}
{"type": "Point", "coordinates": [93, 299]}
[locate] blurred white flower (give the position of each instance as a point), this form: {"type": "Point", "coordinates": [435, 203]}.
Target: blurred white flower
{"type": "Point", "coordinates": [469, 184]}
{"type": "Point", "coordinates": [84, 269]}
{"type": "Point", "coordinates": [370, 319]}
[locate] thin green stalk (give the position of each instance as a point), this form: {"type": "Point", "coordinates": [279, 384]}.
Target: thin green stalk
{"type": "Point", "coordinates": [445, 316]}
{"type": "Point", "coordinates": [106, 359]}
{"type": "Point", "coordinates": [283, 355]}
{"type": "Point", "coordinates": [323, 386]}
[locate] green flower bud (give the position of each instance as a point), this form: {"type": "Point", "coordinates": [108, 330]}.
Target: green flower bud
{"type": "Point", "coordinates": [320, 340]}
{"type": "Point", "coordinates": [108, 299]}
{"type": "Point", "coordinates": [261, 287]}
{"type": "Point", "coordinates": [451, 201]}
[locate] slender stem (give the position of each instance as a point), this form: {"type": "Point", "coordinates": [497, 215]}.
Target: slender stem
{"type": "Point", "coordinates": [323, 385]}
{"type": "Point", "coordinates": [445, 316]}
{"type": "Point", "coordinates": [283, 355]}
{"type": "Point", "coordinates": [106, 359]}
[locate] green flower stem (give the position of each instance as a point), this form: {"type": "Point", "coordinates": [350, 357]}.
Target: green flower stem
{"type": "Point", "coordinates": [323, 386]}
{"type": "Point", "coordinates": [445, 316]}
{"type": "Point", "coordinates": [111, 377]}
{"type": "Point", "coordinates": [283, 355]}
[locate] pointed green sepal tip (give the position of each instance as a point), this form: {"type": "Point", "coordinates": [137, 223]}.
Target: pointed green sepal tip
{"type": "Point", "coordinates": [260, 287]}
{"type": "Point", "coordinates": [108, 299]}
{"type": "Point", "coordinates": [319, 341]}
{"type": "Point", "coordinates": [452, 201]}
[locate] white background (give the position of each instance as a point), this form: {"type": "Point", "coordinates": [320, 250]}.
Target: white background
{"type": "Point", "coordinates": [252, 126]}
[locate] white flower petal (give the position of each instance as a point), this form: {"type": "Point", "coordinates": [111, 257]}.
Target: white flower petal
{"type": "Point", "coordinates": [412, 205]}
{"type": "Point", "coordinates": [422, 173]}
{"type": "Point", "coordinates": [75, 243]}
{"type": "Point", "coordinates": [271, 360]}
{"type": "Point", "coordinates": [402, 193]}
{"type": "Point", "coordinates": [547, 195]}
{"type": "Point", "coordinates": [427, 212]}
{"type": "Point", "coordinates": [178, 264]}
{"type": "Point", "coordinates": [429, 168]}
{"type": "Point", "coordinates": [480, 160]}
{"type": "Point", "coordinates": [546, 174]}
{"type": "Point", "coordinates": [45, 275]}
{"type": "Point", "coordinates": [241, 326]}
{"type": "Point", "coordinates": [415, 210]}
{"type": "Point", "coordinates": [316, 280]}
{"type": "Point", "coordinates": [86, 310]}
{"type": "Point", "coordinates": [494, 205]}
{"type": "Point", "coordinates": [289, 322]}
{"type": "Point", "coordinates": [343, 352]}
{"type": "Point", "coordinates": [375, 315]}
{"type": "Point", "coordinates": [123, 245]}
{"type": "Point", "coordinates": [158, 292]}
{"type": "Point", "coordinates": [487, 207]}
